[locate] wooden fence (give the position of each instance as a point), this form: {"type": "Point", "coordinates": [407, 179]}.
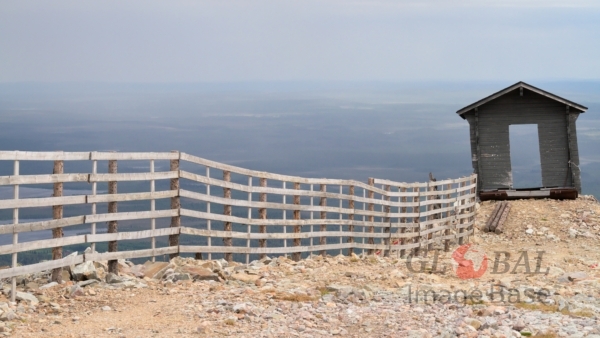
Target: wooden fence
{"type": "Point", "coordinates": [230, 211]}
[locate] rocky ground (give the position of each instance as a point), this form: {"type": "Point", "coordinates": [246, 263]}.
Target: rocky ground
{"type": "Point", "coordinates": [356, 296]}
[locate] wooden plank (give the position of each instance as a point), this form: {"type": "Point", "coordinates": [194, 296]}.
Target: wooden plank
{"type": "Point", "coordinates": [248, 226]}
{"type": "Point", "coordinates": [153, 208]}
{"type": "Point", "coordinates": [57, 213]}
{"type": "Point", "coordinates": [41, 244]}
{"type": "Point", "coordinates": [15, 236]}
{"type": "Point", "coordinates": [262, 214]}
{"type": "Point", "coordinates": [72, 259]}
{"type": "Point", "coordinates": [402, 221]}
{"type": "Point", "coordinates": [281, 206]}
{"type": "Point", "coordinates": [490, 225]}
{"type": "Point", "coordinates": [323, 216]}
{"type": "Point", "coordinates": [133, 156]}
{"type": "Point", "coordinates": [262, 174]}
{"type": "Point", "coordinates": [352, 207]}
{"type": "Point", "coordinates": [42, 201]}
{"type": "Point", "coordinates": [131, 235]}
{"type": "Point", "coordinates": [289, 235]}
{"type": "Point", "coordinates": [161, 175]}
{"type": "Point", "coordinates": [227, 226]}
{"type": "Point", "coordinates": [138, 196]}
{"type": "Point", "coordinates": [43, 156]}
{"type": "Point", "coordinates": [40, 179]}
{"type": "Point", "coordinates": [274, 222]}
{"type": "Point", "coordinates": [121, 216]}
{"type": "Point", "coordinates": [94, 191]}
{"type": "Point", "coordinates": [175, 205]}
{"type": "Point", "coordinates": [271, 250]}
{"type": "Point", "coordinates": [296, 256]}
{"type": "Point", "coordinates": [113, 266]}
{"type": "Point", "coordinates": [41, 225]}
{"type": "Point", "coordinates": [500, 226]}
{"type": "Point", "coordinates": [279, 191]}
{"type": "Point", "coordinates": [371, 207]}
{"type": "Point", "coordinates": [422, 184]}
{"type": "Point", "coordinates": [284, 250]}
{"type": "Point", "coordinates": [130, 254]}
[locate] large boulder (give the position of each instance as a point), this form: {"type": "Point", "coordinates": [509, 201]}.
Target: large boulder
{"type": "Point", "coordinates": [84, 271]}
{"type": "Point", "coordinates": [155, 269]}
{"type": "Point", "coordinates": [199, 273]}
{"type": "Point", "coordinates": [24, 296]}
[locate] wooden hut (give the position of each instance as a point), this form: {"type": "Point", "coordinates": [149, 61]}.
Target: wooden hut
{"type": "Point", "coordinates": [521, 103]}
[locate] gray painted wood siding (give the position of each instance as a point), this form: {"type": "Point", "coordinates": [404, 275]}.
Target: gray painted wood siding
{"type": "Point", "coordinates": [494, 119]}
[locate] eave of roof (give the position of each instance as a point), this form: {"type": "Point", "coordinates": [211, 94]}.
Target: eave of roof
{"type": "Point", "coordinates": [517, 85]}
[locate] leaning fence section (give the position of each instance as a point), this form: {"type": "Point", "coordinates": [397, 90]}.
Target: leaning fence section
{"type": "Point", "coordinates": [206, 208]}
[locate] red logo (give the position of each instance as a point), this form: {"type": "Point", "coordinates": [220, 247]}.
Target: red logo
{"type": "Point", "coordinates": [469, 262]}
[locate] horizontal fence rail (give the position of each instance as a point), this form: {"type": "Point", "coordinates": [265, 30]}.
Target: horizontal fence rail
{"type": "Point", "coordinates": [220, 209]}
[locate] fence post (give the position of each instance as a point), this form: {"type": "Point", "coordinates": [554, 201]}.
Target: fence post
{"type": "Point", "coordinates": [262, 214]}
{"type": "Point", "coordinates": [296, 256]}
{"type": "Point", "coordinates": [249, 226]}
{"type": "Point", "coordinates": [447, 231]}
{"type": "Point", "coordinates": [402, 220]}
{"type": "Point", "coordinates": [371, 195]}
{"type": "Point", "coordinates": [473, 208]}
{"type": "Point", "coordinates": [15, 236]}
{"type": "Point", "coordinates": [461, 240]}
{"type": "Point", "coordinates": [227, 212]}
{"type": "Point", "coordinates": [152, 208]}
{"type": "Point", "coordinates": [323, 203]}
{"type": "Point", "coordinates": [113, 265]}
{"type": "Point", "coordinates": [387, 230]}
{"type": "Point", "coordinates": [94, 186]}
{"type": "Point", "coordinates": [417, 220]}
{"type": "Point", "coordinates": [208, 224]}
{"type": "Point", "coordinates": [57, 213]}
{"type": "Point", "coordinates": [351, 218]}
{"type": "Point", "coordinates": [175, 205]}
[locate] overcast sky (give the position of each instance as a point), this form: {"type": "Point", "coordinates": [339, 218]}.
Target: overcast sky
{"type": "Point", "coordinates": [324, 40]}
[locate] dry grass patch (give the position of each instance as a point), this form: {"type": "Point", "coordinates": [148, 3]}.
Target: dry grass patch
{"type": "Point", "coordinates": [292, 297]}
{"type": "Point", "coordinates": [536, 307]}
{"type": "Point", "coordinates": [554, 308]}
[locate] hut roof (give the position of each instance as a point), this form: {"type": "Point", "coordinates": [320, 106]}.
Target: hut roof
{"type": "Point", "coordinates": [518, 85]}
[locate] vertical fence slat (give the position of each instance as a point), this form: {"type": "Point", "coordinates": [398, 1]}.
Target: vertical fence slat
{"type": "Point", "coordinates": [312, 214]}
{"type": "Point", "coordinates": [262, 214]}
{"type": "Point", "coordinates": [364, 207]}
{"type": "Point", "coordinates": [208, 224]}
{"type": "Point", "coordinates": [296, 256]}
{"type": "Point", "coordinates": [94, 191]}
{"type": "Point", "coordinates": [351, 218]}
{"type": "Point", "coordinates": [473, 209]}
{"type": "Point", "coordinates": [402, 220]}
{"type": "Point", "coordinates": [57, 213]}
{"type": "Point", "coordinates": [388, 230]}
{"type": "Point", "coordinates": [113, 265]}
{"type": "Point", "coordinates": [341, 217]}
{"type": "Point", "coordinates": [323, 227]}
{"type": "Point", "coordinates": [371, 194]}
{"type": "Point", "coordinates": [249, 227]}
{"type": "Point", "coordinates": [284, 218]}
{"type": "Point", "coordinates": [448, 219]}
{"type": "Point", "coordinates": [152, 208]}
{"type": "Point", "coordinates": [175, 204]}
{"type": "Point", "coordinates": [461, 211]}
{"type": "Point", "coordinates": [227, 212]}
{"type": "Point", "coordinates": [15, 236]}
{"type": "Point", "coordinates": [417, 220]}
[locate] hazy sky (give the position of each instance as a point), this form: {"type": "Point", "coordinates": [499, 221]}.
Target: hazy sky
{"type": "Point", "coordinates": [206, 41]}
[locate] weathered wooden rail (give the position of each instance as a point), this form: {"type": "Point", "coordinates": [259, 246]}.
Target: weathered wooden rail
{"type": "Point", "coordinates": [251, 218]}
